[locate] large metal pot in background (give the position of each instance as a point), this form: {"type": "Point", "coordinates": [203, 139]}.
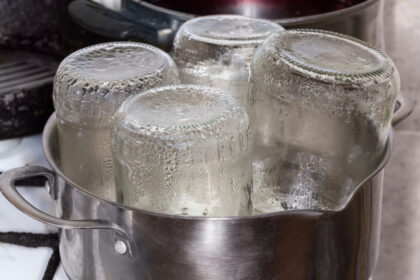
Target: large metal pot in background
{"type": "Point", "coordinates": [156, 21]}
{"type": "Point", "coordinates": [106, 240]}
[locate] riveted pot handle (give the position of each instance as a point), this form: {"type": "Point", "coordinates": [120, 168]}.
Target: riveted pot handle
{"type": "Point", "coordinates": [115, 24]}
{"type": "Point", "coordinates": [403, 109]}
{"type": "Point", "coordinates": [8, 188]}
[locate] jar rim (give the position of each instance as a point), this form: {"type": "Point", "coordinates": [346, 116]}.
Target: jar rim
{"type": "Point", "coordinates": [383, 70]}
{"type": "Point", "coordinates": [165, 61]}
{"type": "Point", "coordinates": [220, 38]}
{"type": "Point", "coordinates": [231, 106]}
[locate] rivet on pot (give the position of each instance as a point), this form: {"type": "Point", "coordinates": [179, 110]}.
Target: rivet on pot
{"type": "Point", "coordinates": [120, 247]}
{"type": "Point", "coordinates": [48, 186]}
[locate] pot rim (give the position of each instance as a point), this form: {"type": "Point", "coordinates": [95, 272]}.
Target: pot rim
{"type": "Point", "coordinates": [326, 16]}
{"type": "Point", "coordinates": [51, 126]}
{"type": "Point", "coordinates": [285, 22]}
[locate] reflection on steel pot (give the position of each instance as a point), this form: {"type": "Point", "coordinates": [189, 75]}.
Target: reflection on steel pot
{"type": "Point", "coordinates": [157, 22]}
{"type": "Point", "coordinates": [104, 240]}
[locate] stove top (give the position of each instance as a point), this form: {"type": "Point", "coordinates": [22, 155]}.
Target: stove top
{"type": "Point", "coordinates": [28, 249]}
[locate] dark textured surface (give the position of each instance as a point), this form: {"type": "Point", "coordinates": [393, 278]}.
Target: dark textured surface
{"type": "Point", "coordinates": [41, 25]}
{"type": "Point", "coordinates": [25, 111]}
{"type": "Point", "coordinates": [25, 100]}
{"type": "Point", "coordinates": [26, 23]}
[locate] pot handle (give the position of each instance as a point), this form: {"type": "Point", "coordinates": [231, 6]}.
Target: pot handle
{"type": "Point", "coordinates": [403, 109]}
{"type": "Point", "coordinates": [8, 188]}
{"type": "Point", "coordinates": [106, 22]}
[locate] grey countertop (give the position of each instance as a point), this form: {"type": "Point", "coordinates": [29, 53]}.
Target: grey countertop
{"type": "Point", "coordinates": [400, 242]}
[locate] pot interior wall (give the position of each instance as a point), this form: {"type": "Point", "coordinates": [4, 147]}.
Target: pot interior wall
{"type": "Point", "coordinates": [333, 196]}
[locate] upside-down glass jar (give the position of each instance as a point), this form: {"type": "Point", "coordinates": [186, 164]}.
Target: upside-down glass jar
{"type": "Point", "coordinates": [321, 105]}
{"type": "Point", "coordinates": [216, 51]}
{"type": "Point", "coordinates": [183, 150]}
{"type": "Point", "coordinates": [89, 86]}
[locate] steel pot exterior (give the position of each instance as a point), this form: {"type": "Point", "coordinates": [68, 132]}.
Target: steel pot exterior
{"type": "Point", "coordinates": [293, 246]}
{"type": "Point", "coordinates": [105, 240]}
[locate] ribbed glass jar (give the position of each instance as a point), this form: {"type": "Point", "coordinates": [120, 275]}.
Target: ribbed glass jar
{"type": "Point", "coordinates": [217, 50]}
{"type": "Point", "coordinates": [321, 105]}
{"type": "Point", "coordinates": [89, 86]}
{"type": "Point", "coordinates": [183, 150]}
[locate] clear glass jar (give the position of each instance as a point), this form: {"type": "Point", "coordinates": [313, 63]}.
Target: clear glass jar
{"type": "Point", "coordinates": [183, 150]}
{"type": "Point", "coordinates": [216, 51]}
{"type": "Point", "coordinates": [89, 86]}
{"type": "Point", "coordinates": [321, 106]}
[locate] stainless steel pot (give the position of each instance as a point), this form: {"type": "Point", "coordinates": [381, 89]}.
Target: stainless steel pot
{"type": "Point", "coordinates": [140, 20]}
{"type": "Point", "coordinates": [100, 239]}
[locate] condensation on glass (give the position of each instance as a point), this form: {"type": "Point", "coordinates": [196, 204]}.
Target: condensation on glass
{"type": "Point", "coordinates": [183, 150]}
{"type": "Point", "coordinates": [217, 50]}
{"type": "Point", "coordinates": [89, 86]}
{"type": "Point", "coordinates": [321, 105]}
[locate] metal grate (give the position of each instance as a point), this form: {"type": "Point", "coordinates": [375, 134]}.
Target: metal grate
{"type": "Point", "coordinates": [23, 74]}
{"type": "Point", "coordinates": [34, 240]}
